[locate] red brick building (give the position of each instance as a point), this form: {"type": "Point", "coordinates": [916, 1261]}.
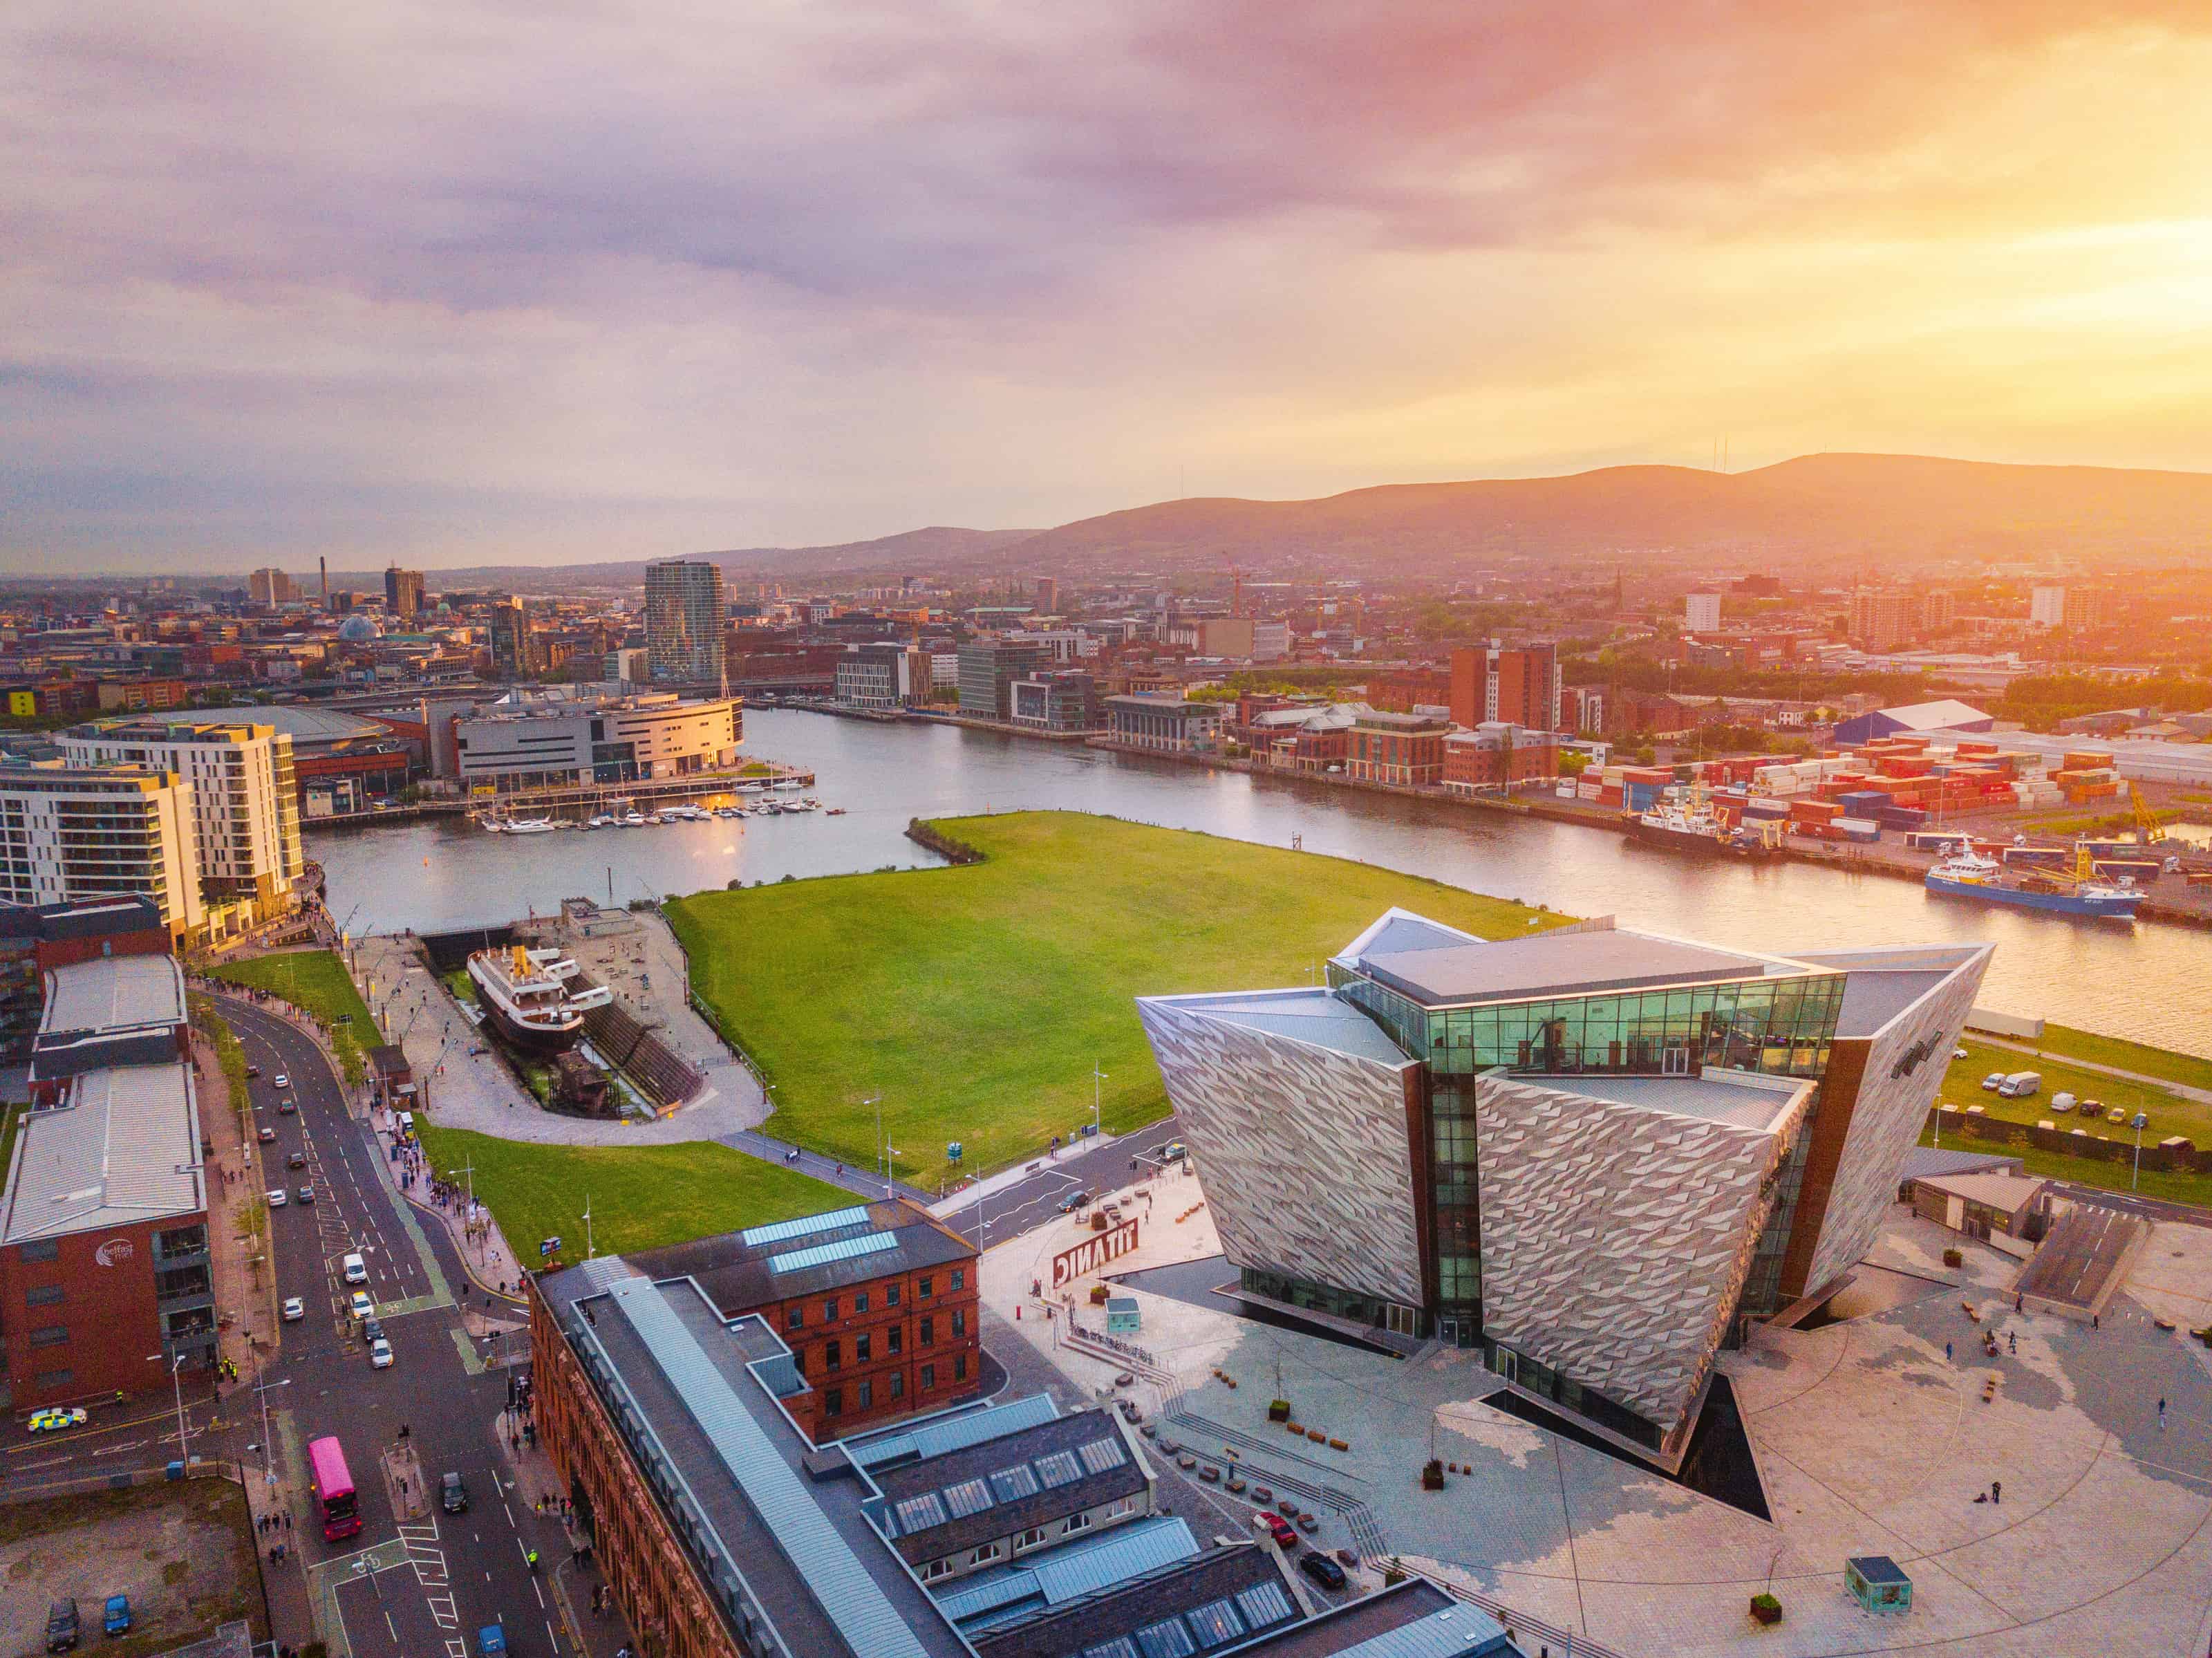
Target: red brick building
{"type": "Point", "coordinates": [1411, 688]}
{"type": "Point", "coordinates": [877, 1302]}
{"type": "Point", "coordinates": [1520, 686]}
{"type": "Point", "coordinates": [1499, 754]}
{"type": "Point", "coordinates": [1401, 748]}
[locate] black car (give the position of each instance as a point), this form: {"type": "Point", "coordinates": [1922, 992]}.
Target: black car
{"type": "Point", "coordinates": [297, 1159]}
{"type": "Point", "coordinates": [1324, 1570]}
{"type": "Point", "coordinates": [1074, 1201]}
{"type": "Point", "coordinates": [61, 1625]}
{"type": "Point", "coordinates": [452, 1494]}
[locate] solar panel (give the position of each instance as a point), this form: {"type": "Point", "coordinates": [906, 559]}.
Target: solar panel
{"type": "Point", "coordinates": [1166, 1639]}
{"type": "Point", "coordinates": [1214, 1623]}
{"type": "Point", "coordinates": [1264, 1604]}
{"type": "Point", "coordinates": [1058, 1468]}
{"type": "Point", "coordinates": [1100, 1454]}
{"type": "Point", "coordinates": [868, 1243]}
{"type": "Point", "coordinates": [1016, 1482]}
{"type": "Point", "coordinates": [805, 1226]}
{"type": "Point", "coordinates": [1120, 1647]}
{"type": "Point", "coordinates": [969, 1497]}
{"type": "Point", "coordinates": [919, 1514]}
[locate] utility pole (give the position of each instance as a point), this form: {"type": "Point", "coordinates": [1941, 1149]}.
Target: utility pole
{"type": "Point", "coordinates": [883, 1154]}
{"type": "Point", "coordinates": [2140, 1122]}
{"type": "Point", "coordinates": [1097, 1077]}
{"type": "Point", "coordinates": [176, 1368]}
{"type": "Point", "coordinates": [263, 1389]}
{"type": "Point", "coordinates": [587, 1226]}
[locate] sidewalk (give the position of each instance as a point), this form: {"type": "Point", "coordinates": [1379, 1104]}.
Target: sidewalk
{"type": "Point", "coordinates": [991, 1185]}
{"type": "Point", "coordinates": [575, 1575]}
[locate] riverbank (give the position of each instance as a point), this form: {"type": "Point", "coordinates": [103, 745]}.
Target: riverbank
{"type": "Point", "coordinates": [581, 797]}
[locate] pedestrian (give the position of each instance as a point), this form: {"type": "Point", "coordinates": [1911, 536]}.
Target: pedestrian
{"type": "Point", "coordinates": [288, 1524]}
{"type": "Point", "coordinates": [2161, 1412]}
{"type": "Point", "coordinates": [1996, 1491]}
{"type": "Point", "coordinates": [2012, 1339]}
{"type": "Point", "coordinates": [1947, 1352]}
{"type": "Point", "coordinates": [2096, 1320]}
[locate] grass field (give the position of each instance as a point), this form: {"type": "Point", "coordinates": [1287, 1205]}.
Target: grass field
{"type": "Point", "coordinates": [2091, 1171]}
{"type": "Point", "coordinates": [977, 1000]}
{"type": "Point", "coordinates": [315, 980]}
{"type": "Point", "coordinates": [2185, 1069]}
{"type": "Point", "coordinates": [641, 1196]}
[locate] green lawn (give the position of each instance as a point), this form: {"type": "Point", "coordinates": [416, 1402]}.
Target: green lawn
{"type": "Point", "coordinates": [2180, 1188]}
{"type": "Point", "coordinates": [2169, 1113]}
{"type": "Point", "coordinates": [641, 1196]}
{"type": "Point", "coordinates": [2185, 1069]}
{"type": "Point", "coordinates": [315, 980]}
{"type": "Point", "coordinates": [977, 1000]}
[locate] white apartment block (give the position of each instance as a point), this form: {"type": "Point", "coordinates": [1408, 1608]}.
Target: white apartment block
{"type": "Point", "coordinates": [1701, 612]}
{"type": "Point", "coordinates": [553, 742]}
{"type": "Point", "coordinates": [68, 833]}
{"type": "Point", "coordinates": [245, 797]}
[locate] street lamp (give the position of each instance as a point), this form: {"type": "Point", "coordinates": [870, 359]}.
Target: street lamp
{"type": "Point", "coordinates": [176, 1368]}
{"type": "Point", "coordinates": [268, 1451]}
{"type": "Point", "coordinates": [1098, 1077]}
{"type": "Point", "coordinates": [2139, 1123]}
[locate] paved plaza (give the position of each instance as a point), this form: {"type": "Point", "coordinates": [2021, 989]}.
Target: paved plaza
{"type": "Point", "coordinates": [1870, 1440]}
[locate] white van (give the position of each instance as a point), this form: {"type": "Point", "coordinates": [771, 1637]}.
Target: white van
{"type": "Point", "coordinates": [357, 1270]}
{"type": "Point", "coordinates": [2062, 1101]}
{"type": "Point", "coordinates": [2021, 1084]}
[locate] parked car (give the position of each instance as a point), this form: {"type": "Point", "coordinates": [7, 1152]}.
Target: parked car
{"type": "Point", "coordinates": [363, 1307]}
{"type": "Point", "coordinates": [380, 1354]}
{"type": "Point", "coordinates": [117, 1619]}
{"type": "Point", "coordinates": [283, 1081]}
{"type": "Point", "coordinates": [2021, 1085]}
{"type": "Point", "coordinates": [61, 1624]}
{"type": "Point", "coordinates": [2062, 1101]}
{"type": "Point", "coordinates": [1281, 1530]}
{"type": "Point", "coordinates": [278, 1197]}
{"type": "Point", "coordinates": [452, 1494]}
{"type": "Point", "coordinates": [1958, 1053]}
{"type": "Point", "coordinates": [1993, 1082]}
{"type": "Point", "coordinates": [295, 1310]}
{"type": "Point", "coordinates": [1322, 1569]}
{"type": "Point", "coordinates": [56, 1417]}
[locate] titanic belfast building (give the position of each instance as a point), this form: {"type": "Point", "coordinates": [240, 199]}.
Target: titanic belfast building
{"type": "Point", "coordinates": [1591, 1152]}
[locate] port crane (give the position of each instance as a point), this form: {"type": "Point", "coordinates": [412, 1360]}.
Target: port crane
{"type": "Point", "coordinates": [2149, 829]}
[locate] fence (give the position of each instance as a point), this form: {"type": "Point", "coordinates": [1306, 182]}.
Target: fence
{"type": "Point", "coordinates": [2172, 1155]}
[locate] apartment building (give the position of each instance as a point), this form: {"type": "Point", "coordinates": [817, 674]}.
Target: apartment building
{"type": "Point", "coordinates": [403, 593]}
{"type": "Point", "coordinates": [245, 798]}
{"type": "Point", "coordinates": [1519, 685]}
{"type": "Point", "coordinates": [685, 617]}
{"type": "Point", "coordinates": [884, 675]}
{"type": "Point", "coordinates": [70, 834]}
{"type": "Point", "coordinates": [555, 739]}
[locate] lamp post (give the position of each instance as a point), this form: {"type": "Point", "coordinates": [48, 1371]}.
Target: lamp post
{"type": "Point", "coordinates": [268, 1451]}
{"type": "Point", "coordinates": [1098, 1077]}
{"type": "Point", "coordinates": [2139, 1124]}
{"type": "Point", "coordinates": [176, 1375]}
{"type": "Point", "coordinates": [882, 1151]}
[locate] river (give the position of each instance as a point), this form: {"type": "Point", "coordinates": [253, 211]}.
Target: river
{"type": "Point", "coordinates": [2150, 982]}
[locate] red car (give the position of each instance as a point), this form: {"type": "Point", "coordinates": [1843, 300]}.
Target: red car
{"type": "Point", "coordinates": [1281, 1530]}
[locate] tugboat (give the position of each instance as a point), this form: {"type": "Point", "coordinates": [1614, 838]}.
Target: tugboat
{"type": "Point", "coordinates": [1969, 875]}
{"type": "Point", "coordinates": [525, 997]}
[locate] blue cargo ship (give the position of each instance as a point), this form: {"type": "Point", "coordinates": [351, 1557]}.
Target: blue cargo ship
{"type": "Point", "coordinates": [1970, 875]}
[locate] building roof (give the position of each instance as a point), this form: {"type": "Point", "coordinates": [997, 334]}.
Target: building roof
{"type": "Point", "coordinates": [939, 1507]}
{"type": "Point", "coordinates": [125, 1148]}
{"type": "Point", "coordinates": [1877, 1568]}
{"type": "Point", "coordinates": [1939, 716]}
{"type": "Point", "coordinates": [104, 916]}
{"type": "Point", "coordinates": [1738, 1098]}
{"type": "Point", "coordinates": [1873, 997]}
{"type": "Point", "coordinates": [1553, 964]}
{"type": "Point", "coordinates": [309, 726]}
{"type": "Point", "coordinates": [2006, 1193]}
{"type": "Point", "coordinates": [1399, 931]}
{"type": "Point", "coordinates": [1045, 1578]}
{"type": "Point", "coordinates": [1184, 1605]}
{"type": "Point", "coordinates": [113, 991]}
{"type": "Point", "coordinates": [1923, 1162]}
{"type": "Point", "coordinates": [1320, 1018]}
{"type": "Point", "coordinates": [1414, 1619]}
{"type": "Point", "coordinates": [72, 1053]}
{"type": "Point", "coordinates": [739, 1271]}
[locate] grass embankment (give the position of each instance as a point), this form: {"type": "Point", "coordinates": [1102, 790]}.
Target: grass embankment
{"type": "Point", "coordinates": [641, 1197]}
{"type": "Point", "coordinates": [2169, 1113]}
{"type": "Point", "coordinates": [315, 981]}
{"type": "Point", "coordinates": [977, 1000]}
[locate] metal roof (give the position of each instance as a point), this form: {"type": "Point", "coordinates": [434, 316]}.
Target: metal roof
{"type": "Point", "coordinates": [112, 990]}
{"type": "Point", "coordinates": [845, 1249]}
{"type": "Point", "coordinates": [1318, 1018]}
{"type": "Point", "coordinates": [1071, 1571]}
{"type": "Point", "coordinates": [1561, 963]}
{"type": "Point", "coordinates": [1452, 1632]}
{"type": "Point", "coordinates": [851, 1598]}
{"type": "Point", "coordinates": [805, 1226]}
{"type": "Point", "coordinates": [953, 1433]}
{"type": "Point", "coordinates": [125, 1148]}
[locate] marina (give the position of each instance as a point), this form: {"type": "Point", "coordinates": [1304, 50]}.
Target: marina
{"type": "Point", "coordinates": [435, 873]}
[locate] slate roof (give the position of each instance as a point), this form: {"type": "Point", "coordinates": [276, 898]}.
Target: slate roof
{"type": "Point", "coordinates": [1242, 1575]}
{"type": "Point", "coordinates": [737, 1270]}
{"type": "Point", "coordinates": [1007, 1515]}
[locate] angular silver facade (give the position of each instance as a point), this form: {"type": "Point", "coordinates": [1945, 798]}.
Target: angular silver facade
{"type": "Point", "coordinates": [1617, 1237]}
{"type": "Point", "coordinates": [1294, 1105]}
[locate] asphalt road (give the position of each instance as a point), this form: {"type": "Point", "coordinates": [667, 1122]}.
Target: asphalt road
{"type": "Point", "coordinates": [2131, 1203]}
{"type": "Point", "coordinates": [1030, 1203]}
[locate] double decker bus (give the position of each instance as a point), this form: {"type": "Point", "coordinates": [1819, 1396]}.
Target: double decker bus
{"type": "Point", "coordinates": [333, 1489]}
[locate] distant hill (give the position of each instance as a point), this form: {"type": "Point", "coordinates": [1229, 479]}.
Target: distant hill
{"type": "Point", "coordinates": [1818, 507]}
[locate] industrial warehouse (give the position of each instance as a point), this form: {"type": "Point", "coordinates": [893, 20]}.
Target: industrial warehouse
{"type": "Point", "coordinates": [1591, 1152]}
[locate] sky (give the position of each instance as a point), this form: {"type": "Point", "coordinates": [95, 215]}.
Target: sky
{"type": "Point", "coordinates": [485, 281]}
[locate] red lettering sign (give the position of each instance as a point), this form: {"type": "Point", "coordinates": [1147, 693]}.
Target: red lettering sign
{"type": "Point", "coordinates": [1092, 1254]}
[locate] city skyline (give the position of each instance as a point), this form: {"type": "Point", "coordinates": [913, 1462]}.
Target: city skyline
{"type": "Point", "coordinates": [436, 289]}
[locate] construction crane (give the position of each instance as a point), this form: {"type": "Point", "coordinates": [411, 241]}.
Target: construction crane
{"type": "Point", "coordinates": [2147, 827]}
{"type": "Point", "coordinates": [1236, 589]}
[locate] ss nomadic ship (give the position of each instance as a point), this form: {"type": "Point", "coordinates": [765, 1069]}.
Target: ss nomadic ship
{"type": "Point", "coordinates": [526, 998]}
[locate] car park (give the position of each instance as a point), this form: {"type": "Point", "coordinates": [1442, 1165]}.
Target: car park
{"type": "Point", "coordinates": [2116, 1115]}
{"type": "Point", "coordinates": [363, 1307]}
{"type": "Point", "coordinates": [380, 1354]}
{"type": "Point", "coordinates": [278, 1198]}
{"type": "Point", "coordinates": [2062, 1101]}
{"type": "Point", "coordinates": [61, 1624]}
{"type": "Point", "coordinates": [116, 1619]}
{"type": "Point", "coordinates": [307, 1194]}
{"type": "Point", "coordinates": [452, 1494]}
{"type": "Point", "coordinates": [283, 1081]}
{"type": "Point", "coordinates": [1322, 1569]}
{"type": "Point", "coordinates": [266, 1136]}
{"type": "Point", "coordinates": [56, 1417]}
{"type": "Point", "coordinates": [1958, 1053]}
{"type": "Point", "coordinates": [295, 1310]}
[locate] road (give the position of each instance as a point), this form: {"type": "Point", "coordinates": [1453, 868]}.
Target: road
{"type": "Point", "coordinates": [2132, 1202]}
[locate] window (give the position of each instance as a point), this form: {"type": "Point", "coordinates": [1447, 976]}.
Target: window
{"type": "Point", "coordinates": [866, 1396]}
{"type": "Point", "coordinates": [798, 1360]}
{"type": "Point", "coordinates": [1011, 1485]}
{"type": "Point", "coordinates": [959, 1321]}
{"type": "Point", "coordinates": [56, 1378]}
{"type": "Point", "coordinates": [895, 1339]}
{"type": "Point", "coordinates": [890, 1295]}
{"type": "Point", "coordinates": [795, 1318]}
{"type": "Point", "coordinates": [898, 1384]}
{"type": "Point", "coordinates": [986, 1554]}
{"type": "Point", "coordinates": [860, 1302]}
{"type": "Point", "coordinates": [959, 1278]}
{"type": "Point", "coordinates": [967, 1498]}
{"type": "Point", "coordinates": [833, 1402]}
{"type": "Point", "coordinates": [861, 1346]}
{"type": "Point", "coordinates": [1076, 1522]}
{"type": "Point", "coordinates": [928, 1286]}
{"type": "Point", "coordinates": [182, 1241]}
{"type": "Point", "coordinates": [1029, 1538]}
{"type": "Point", "coordinates": [935, 1568]}
{"type": "Point", "coordinates": [928, 1377]}
{"type": "Point", "coordinates": [830, 1311]}
{"type": "Point", "coordinates": [831, 1357]}
{"type": "Point", "coordinates": [1057, 1468]}
{"type": "Point", "coordinates": [960, 1367]}
{"type": "Point", "coordinates": [929, 1331]}
{"type": "Point", "coordinates": [51, 1335]}
{"type": "Point", "coordinates": [41, 1249]}
{"type": "Point", "coordinates": [46, 1295]}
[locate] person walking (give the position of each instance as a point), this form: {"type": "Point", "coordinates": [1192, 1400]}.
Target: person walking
{"type": "Point", "coordinates": [2011, 1340]}
{"type": "Point", "coordinates": [2162, 1413]}
{"type": "Point", "coordinates": [1996, 1491]}
{"type": "Point", "coordinates": [1947, 1352]}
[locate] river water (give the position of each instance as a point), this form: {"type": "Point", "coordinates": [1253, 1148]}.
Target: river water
{"type": "Point", "coordinates": [2150, 982]}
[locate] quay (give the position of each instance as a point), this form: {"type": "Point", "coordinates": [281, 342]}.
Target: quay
{"type": "Point", "coordinates": [582, 796]}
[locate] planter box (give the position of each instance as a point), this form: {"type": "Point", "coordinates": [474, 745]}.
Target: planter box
{"type": "Point", "coordinates": [1765, 1609]}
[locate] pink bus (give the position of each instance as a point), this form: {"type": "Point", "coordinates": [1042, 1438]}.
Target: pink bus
{"type": "Point", "coordinates": [333, 1488]}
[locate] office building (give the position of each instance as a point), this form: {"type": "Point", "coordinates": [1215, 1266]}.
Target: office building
{"type": "Point", "coordinates": [884, 675]}
{"type": "Point", "coordinates": [105, 1276]}
{"type": "Point", "coordinates": [245, 794]}
{"type": "Point", "coordinates": [1519, 685]}
{"type": "Point", "coordinates": [1701, 614]}
{"type": "Point", "coordinates": [1498, 754]}
{"type": "Point", "coordinates": [1064, 699]}
{"type": "Point", "coordinates": [515, 650]}
{"type": "Point", "coordinates": [1048, 595]}
{"type": "Point", "coordinates": [988, 669]}
{"type": "Point", "coordinates": [270, 588]}
{"type": "Point", "coordinates": [557, 739]}
{"type": "Point", "coordinates": [685, 619]}
{"type": "Point", "coordinates": [1162, 720]}
{"type": "Point", "coordinates": [403, 593]}
{"type": "Point", "coordinates": [629, 666]}
{"type": "Point", "coordinates": [1593, 1154]}
{"type": "Point", "coordinates": [1401, 748]}
{"type": "Point", "coordinates": [69, 834]}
